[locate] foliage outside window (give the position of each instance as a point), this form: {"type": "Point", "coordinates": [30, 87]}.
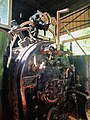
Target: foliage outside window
{"type": "Point", "coordinates": [84, 42]}
{"type": "Point", "coordinates": [5, 12]}
{"type": "Point", "coordinates": [4, 40]}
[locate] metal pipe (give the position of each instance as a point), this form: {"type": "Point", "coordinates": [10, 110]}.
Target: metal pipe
{"type": "Point", "coordinates": [53, 34]}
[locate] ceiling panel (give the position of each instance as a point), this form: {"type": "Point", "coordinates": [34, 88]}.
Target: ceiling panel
{"type": "Point", "coordinates": [52, 6]}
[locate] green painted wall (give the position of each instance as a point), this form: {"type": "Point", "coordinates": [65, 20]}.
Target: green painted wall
{"type": "Point", "coordinates": [82, 66]}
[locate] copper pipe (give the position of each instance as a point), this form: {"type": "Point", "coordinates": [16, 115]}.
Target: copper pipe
{"type": "Point", "coordinates": [52, 33]}
{"type": "Point", "coordinates": [26, 23]}
{"type": "Point", "coordinates": [20, 29]}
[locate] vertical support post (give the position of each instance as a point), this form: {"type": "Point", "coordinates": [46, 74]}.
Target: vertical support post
{"type": "Point", "coordinates": [87, 67]}
{"type": "Point", "coordinates": [87, 73]}
{"type": "Point", "coordinates": [58, 26]}
{"type": "Point", "coordinates": [58, 30]}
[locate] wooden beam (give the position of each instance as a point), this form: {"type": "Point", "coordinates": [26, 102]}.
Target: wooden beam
{"type": "Point", "coordinates": [59, 12]}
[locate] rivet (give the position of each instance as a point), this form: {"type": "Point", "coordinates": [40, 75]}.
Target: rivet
{"type": "Point", "coordinates": [44, 115]}
{"type": "Point", "coordinates": [57, 103]}
{"type": "Point", "coordinates": [36, 106]}
{"type": "Point", "coordinates": [33, 97]}
{"type": "Point", "coordinates": [54, 96]}
{"type": "Point", "coordinates": [36, 118]}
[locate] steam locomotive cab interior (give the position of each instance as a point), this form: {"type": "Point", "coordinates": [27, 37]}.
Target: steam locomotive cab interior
{"type": "Point", "coordinates": [39, 79]}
